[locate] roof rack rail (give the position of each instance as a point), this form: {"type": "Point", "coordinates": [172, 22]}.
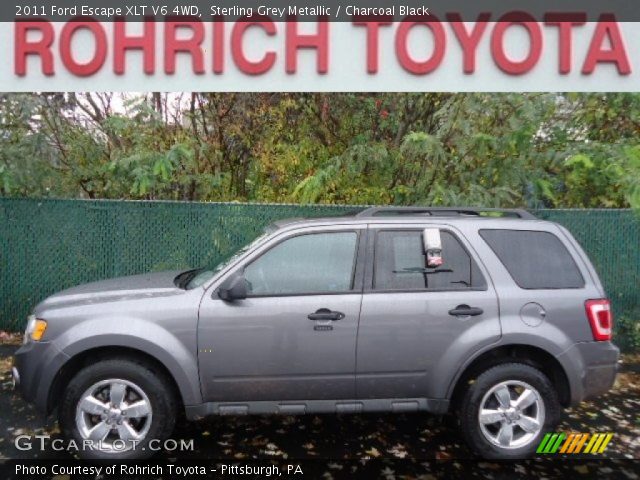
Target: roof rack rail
{"type": "Point", "coordinates": [446, 212]}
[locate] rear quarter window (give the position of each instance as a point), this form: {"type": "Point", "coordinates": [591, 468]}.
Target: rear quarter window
{"type": "Point", "coordinates": [534, 259]}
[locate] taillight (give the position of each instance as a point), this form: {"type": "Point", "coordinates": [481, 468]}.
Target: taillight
{"type": "Point", "coordinates": [600, 319]}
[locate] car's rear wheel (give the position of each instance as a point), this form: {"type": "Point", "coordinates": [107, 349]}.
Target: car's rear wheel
{"type": "Point", "coordinates": [114, 408]}
{"type": "Point", "coordinates": [506, 411]}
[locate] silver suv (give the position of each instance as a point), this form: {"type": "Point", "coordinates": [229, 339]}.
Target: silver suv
{"type": "Point", "coordinates": [492, 315]}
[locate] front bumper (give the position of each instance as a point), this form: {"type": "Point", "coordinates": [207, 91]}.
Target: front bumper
{"type": "Point", "coordinates": [591, 369]}
{"type": "Point", "coordinates": [35, 366]}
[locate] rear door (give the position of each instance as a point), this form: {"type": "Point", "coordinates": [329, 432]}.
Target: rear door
{"type": "Point", "coordinates": [414, 319]}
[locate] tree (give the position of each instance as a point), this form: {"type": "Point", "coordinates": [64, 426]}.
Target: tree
{"type": "Point", "coordinates": [554, 150]}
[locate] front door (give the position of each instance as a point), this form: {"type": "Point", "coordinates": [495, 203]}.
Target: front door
{"type": "Point", "coordinates": [294, 337]}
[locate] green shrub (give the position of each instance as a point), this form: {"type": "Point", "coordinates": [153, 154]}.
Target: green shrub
{"type": "Point", "coordinates": [627, 331]}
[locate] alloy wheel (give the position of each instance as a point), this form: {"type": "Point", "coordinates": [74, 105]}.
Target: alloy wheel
{"type": "Point", "coordinates": [114, 413]}
{"type": "Point", "coordinates": [511, 414]}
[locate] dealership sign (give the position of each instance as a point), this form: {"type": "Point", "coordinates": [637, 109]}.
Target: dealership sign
{"type": "Point", "coordinates": [516, 52]}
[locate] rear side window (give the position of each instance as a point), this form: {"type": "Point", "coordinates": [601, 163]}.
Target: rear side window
{"type": "Point", "coordinates": [400, 264]}
{"type": "Point", "coordinates": [535, 260]}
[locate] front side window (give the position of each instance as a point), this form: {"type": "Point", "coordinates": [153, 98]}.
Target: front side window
{"type": "Point", "coordinates": [400, 264]}
{"type": "Point", "coordinates": [305, 264]}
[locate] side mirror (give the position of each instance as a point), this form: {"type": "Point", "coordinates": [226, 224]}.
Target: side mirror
{"type": "Point", "coordinates": [234, 288]}
{"type": "Point", "coordinates": [432, 243]}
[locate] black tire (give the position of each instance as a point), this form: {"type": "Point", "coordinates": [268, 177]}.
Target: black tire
{"type": "Point", "coordinates": [469, 422]}
{"type": "Point", "coordinates": [152, 382]}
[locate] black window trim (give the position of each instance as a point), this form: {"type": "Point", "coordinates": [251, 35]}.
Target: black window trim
{"type": "Point", "coordinates": [584, 282]}
{"type": "Point", "coordinates": [372, 246]}
{"type": "Point", "coordinates": [357, 276]}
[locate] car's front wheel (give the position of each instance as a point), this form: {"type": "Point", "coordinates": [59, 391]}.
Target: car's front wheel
{"type": "Point", "coordinates": [116, 407]}
{"type": "Point", "coordinates": [507, 410]}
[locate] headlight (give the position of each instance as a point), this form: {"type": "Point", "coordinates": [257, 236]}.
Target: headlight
{"type": "Point", "coordinates": [35, 329]}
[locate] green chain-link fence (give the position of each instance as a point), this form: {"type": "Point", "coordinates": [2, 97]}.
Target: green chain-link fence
{"type": "Point", "coordinates": [48, 245]}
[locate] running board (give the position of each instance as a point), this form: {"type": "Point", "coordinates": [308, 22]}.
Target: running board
{"type": "Point", "coordinates": [300, 407]}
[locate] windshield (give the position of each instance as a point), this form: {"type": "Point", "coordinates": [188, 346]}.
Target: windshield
{"type": "Point", "coordinates": [203, 275]}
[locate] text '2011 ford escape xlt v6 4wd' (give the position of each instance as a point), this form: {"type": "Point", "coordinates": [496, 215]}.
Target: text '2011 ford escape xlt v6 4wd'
{"type": "Point", "coordinates": [495, 316]}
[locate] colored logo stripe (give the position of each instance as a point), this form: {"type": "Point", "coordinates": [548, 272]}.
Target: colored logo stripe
{"type": "Point", "coordinates": [573, 443]}
{"type": "Point", "coordinates": [579, 443]}
{"type": "Point", "coordinates": [551, 442]}
{"type": "Point", "coordinates": [571, 439]}
{"type": "Point", "coordinates": [598, 443]}
{"type": "Point", "coordinates": [543, 443]}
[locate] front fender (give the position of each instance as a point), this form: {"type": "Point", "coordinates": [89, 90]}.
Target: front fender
{"type": "Point", "coordinates": [144, 336]}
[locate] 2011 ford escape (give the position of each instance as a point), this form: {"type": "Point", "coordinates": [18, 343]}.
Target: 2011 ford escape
{"type": "Point", "coordinates": [491, 314]}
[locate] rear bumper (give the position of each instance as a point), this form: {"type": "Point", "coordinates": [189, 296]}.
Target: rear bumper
{"type": "Point", "coordinates": [35, 366]}
{"type": "Point", "coordinates": [591, 369]}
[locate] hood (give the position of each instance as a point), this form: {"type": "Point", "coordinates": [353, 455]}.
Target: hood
{"type": "Point", "coordinates": [132, 287]}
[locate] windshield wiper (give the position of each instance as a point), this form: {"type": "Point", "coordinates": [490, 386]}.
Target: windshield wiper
{"type": "Point", "coordinates": [183, 279]}
{"type": "Point", "coordinates": [426, 271]}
